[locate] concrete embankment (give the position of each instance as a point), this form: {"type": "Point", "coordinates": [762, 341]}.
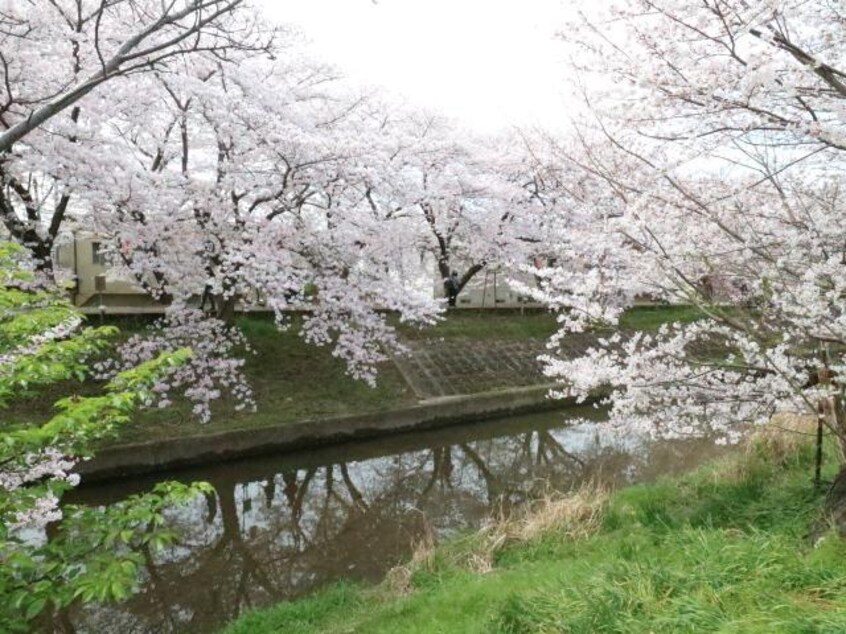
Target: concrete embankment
{"type": "Point", "coordinates": [457, 381]}
{"type": "Point", "coordinates": [147, 457]}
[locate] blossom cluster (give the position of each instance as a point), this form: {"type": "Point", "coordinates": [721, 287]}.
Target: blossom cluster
{"type": "Point", "coordinates": [215, 369]}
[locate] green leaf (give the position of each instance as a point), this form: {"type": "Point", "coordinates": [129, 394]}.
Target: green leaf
{"type": "Point", "coordinates": [34, 608]}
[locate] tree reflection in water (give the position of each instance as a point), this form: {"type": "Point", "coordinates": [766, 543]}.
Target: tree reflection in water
{"type": "Point", "coordinates": [276, 528]}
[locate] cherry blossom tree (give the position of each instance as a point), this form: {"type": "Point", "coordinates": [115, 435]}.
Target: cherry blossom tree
{"type": "Point", "coordinates": [713, 145]}
{"type": "Point", "coordinates": [248, 189]}
{"type": "Point", "coordinates": [55, 59]}
{"type": "Point", "coordinates": [469, 194]}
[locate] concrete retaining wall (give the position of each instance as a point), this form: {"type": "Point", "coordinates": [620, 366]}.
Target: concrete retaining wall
{"type": "Point", "coordinates": [148, 457]}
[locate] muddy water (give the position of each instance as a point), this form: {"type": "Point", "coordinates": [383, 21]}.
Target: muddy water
{"type": "Point", "coordinates": [279, 527]}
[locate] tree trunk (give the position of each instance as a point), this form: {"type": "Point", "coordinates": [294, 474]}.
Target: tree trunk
{"type": "Point", "coordinates": [226, 310]}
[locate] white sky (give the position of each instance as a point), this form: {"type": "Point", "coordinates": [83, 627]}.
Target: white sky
{"type": "Point", "coordinates": [489, 63]}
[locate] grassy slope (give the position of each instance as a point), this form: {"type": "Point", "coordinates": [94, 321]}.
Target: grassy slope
{"type": "Point", "coordinates": [651, 317]}
{"type": "Point", "coordinates": [292, 381]}
{"type": "Point", "coordinates": [295, 381]}
{"type": "Point", "coordinates": [721, 550]}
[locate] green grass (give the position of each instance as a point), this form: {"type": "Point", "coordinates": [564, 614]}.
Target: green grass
{"type": "Point", "coordinates": [294, 381]}
{"type": "Point", "coordinates": [509, 325]}
{"type": "Point", "coordinates": [721, 550]}
{"type": "Point", "coordinates": [291, 380]}
{"type": "Point", "coordinates": [652, 317]}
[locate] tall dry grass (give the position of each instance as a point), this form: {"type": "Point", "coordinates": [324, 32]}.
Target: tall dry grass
{"type": "Point", "coordinates": [574, 515]}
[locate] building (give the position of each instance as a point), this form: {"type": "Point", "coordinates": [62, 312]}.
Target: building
{"type": "Point", "coordinates": [97, 288]}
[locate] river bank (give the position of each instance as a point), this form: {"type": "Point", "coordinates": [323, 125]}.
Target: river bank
{"type": "Point", "coordinates": [139, 458]}
{"type": "Point", "coordinates": [470, 366]}
{"type": "Point", "coordinates": [468, 352]}
{"type": "Point", "coordinates": [729, 548]}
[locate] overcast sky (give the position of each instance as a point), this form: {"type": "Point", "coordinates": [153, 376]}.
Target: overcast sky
{"type": "Point", "coordinates": [489, 63]}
